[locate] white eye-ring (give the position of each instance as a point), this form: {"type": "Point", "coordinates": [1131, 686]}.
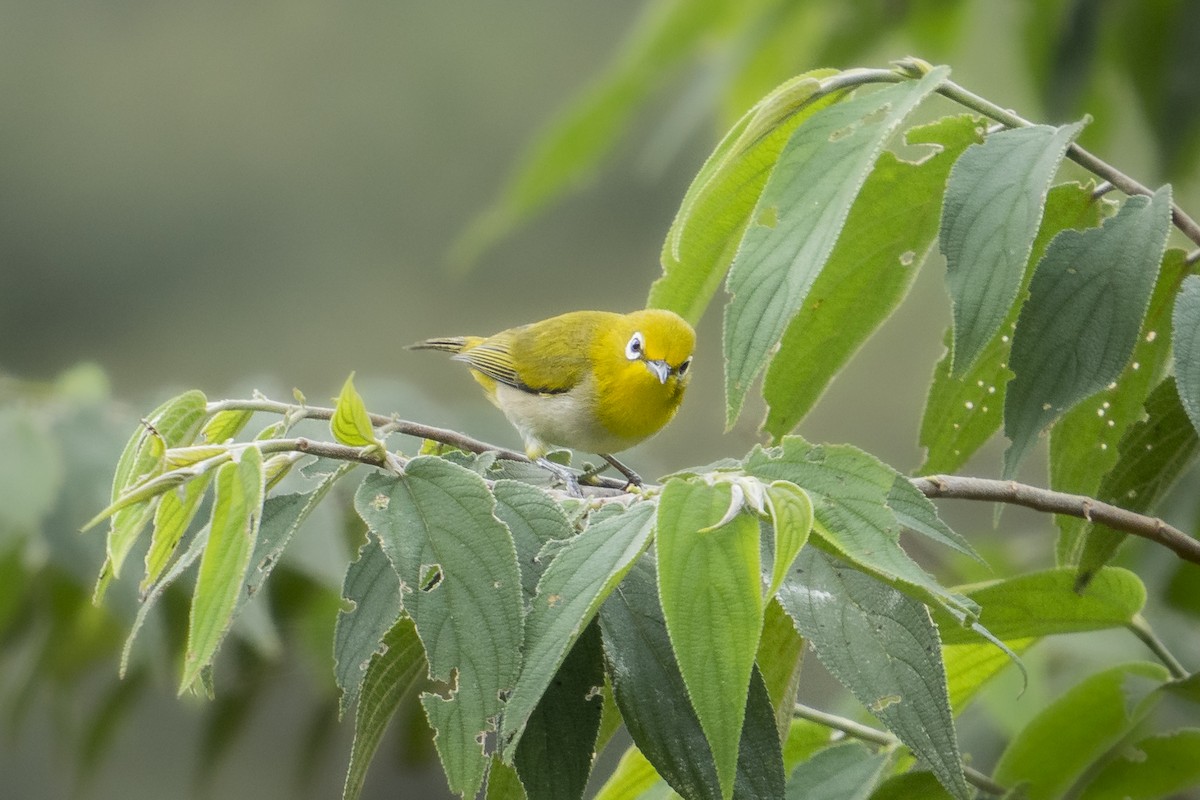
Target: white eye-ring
{"type": "Point", "coordinates": [682, 369]}
{"type": "Point", "coordinates": [637, 343]}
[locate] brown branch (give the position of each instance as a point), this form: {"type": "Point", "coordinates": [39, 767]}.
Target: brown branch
{"type": "Point", "coordinates": [1075, 505]}
{"type": "Point", "coordinates": [387, 425]}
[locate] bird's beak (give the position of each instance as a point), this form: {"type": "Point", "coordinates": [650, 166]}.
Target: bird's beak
{"type": "Point", "coordinates": [660, 369]}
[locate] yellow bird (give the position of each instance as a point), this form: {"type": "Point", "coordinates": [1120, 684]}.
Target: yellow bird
{"type": "Point", "coordinates": [587, 380]}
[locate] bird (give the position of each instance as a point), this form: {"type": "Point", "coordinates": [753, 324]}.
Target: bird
{"type": "Point", "coordinates": [594, 381]}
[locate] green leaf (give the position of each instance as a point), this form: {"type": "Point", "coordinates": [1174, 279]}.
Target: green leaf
{"type": "Point", "coordinates": [554, 757]}
{"type": "Point", "coordinates": [917, 513]}
{"type": "Point", "coordinates": [779, 659]}
{"type": "Point", "coordinates": [394, 672]}
{"type": "Point", "coordinates": [633, 777]}
{"type": "Point", "coordinates": [843, 772]}
{"type": "Point", "coordinates": [462, 586]}
{"type": "Point", "coordinates": [150, 599]}
{"type": "Point", "coordinates": [1158, 766]}
{"type": "Point", "coordinates": [715, 210]}
{"type": "Point", "coordinates": [176, 510]}
{"type": "Point", "coordinates": [566, 153]}
{"type": "Point", "coordinates": [994, 201]}
{"type": "Point", "coordinates": [910, 785]}
{"type": "Point", "coordinates": [1185, 336]}
{"type": "Point", "coordinates": [963, 410]}
{"type": "Point", "coordinates": [534, 519]}
{"type": "Point", "coordinates": [1045, 603]}
{"type": "Point", "coordinates": [237, 508]}
{"type": "Point", "coordinates": [351, 424]}
{"type": "Point", "coordinates": [282, 516]}
{"type": "Point", "coordinates": [884, 648]}
{"type": "Point", "coordinates": [173, 424]}
{"type": "Point", "coordinates": [225, 425]}
{"type": "Point", "coordinates": [1081, 322]}
{"type": "Point", "coordinates": [889, 231]}
{"type": "Point", "coordinates": [708, 581]}
{"type": "Point", "coordinates": [1021, 610]}
{"type": "Point", "coordinates": [1153, 454]}
{"type": "Point", "coordinates": [850, 491]}
{"type": "Point", "coordinates": [372, 589]}
{"type": "Point", "coordinates": [792, 521]}
{"type": "Point", "coordinates": [503, 782]}
{"type": "Point", "coordinates": [786, 245]}
{"type": "Point", "coordinates": [1067, 737]}
{"type": "Point", "coordinates": [1084, 443]}
{"type": "Point", "coordinates": [653, 700]}
{"type": "Point", "coordinates": [580, 577]}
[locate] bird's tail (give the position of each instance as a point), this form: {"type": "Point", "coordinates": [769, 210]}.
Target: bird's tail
{"type": "Point", "coordinates": [449, 344]}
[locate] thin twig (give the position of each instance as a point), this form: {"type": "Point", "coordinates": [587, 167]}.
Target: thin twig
{"type": "Point", "coordinates": [1075, 505]}
{"type": "Point", "coordinates": [1141, 629]}
{"type": "Point", "coordinates": [910, 69]}
{"type": "Point", "coordinates": [875, 736]}
{"type": "Point", "coordinates": [388, 425]}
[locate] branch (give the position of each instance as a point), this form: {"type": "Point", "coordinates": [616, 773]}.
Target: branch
{"type": "Point", "coordinates": [1075, 505]}
{"type": "Point", "coordinates": [386, 425]}
{"type": "Point", "coordinates": [950, 486]}
{"type": "Point", "coordinates": [914, 68]}
{"type": "Point", "coordinates": [875, 736]}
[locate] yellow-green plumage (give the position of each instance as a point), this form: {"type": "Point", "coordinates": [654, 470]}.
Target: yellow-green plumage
{"type": "Point", "coordinates": [576, 381]}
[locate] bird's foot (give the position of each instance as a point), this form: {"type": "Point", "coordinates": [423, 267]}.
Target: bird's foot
{"type": "Point", "coordinates": [632, 477]}
{"type": "Point", "coordinates": [563, 474]}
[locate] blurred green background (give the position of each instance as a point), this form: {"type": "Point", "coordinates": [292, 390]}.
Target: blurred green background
{"type": "Point", "coordinates": [233, 196]}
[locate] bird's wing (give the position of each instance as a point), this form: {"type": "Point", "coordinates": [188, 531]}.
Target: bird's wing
{"type": "Point", "coordinates": [493, 357]}
{"type": "Point", "coordinates": [552, 357]}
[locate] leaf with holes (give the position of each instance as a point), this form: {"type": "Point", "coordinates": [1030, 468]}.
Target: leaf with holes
{"type": "Point", "coordinates": [373, 592]}
{"type": "Point", "coordinates": [1080, 324]}
{"type": "Point", "coordinates": [1084, 443]}
{"type": "Point", "coordinates": [884, 648]}
{"type": "Point", "coordinates": [458, 567]}
{"type": "Point", "coordinates": [1186, 338]}
{"type": "Point", "coordinates": [963, 409]}
{"type": "Point", "coordinates": [1153, 454]}
{"type": "Point", "coordinates": [891, 227]}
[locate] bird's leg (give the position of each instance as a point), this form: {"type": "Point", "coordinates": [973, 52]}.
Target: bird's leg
{"type": "Point", "coordinates": [631, 476]}
{"type": "Point", "coordinates": [563, 474]}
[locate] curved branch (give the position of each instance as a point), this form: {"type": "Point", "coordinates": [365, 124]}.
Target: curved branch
{"type": "Point", "coordinates": [948, 486]}
{"type": "Point", "coordinates": [914, 68]}
{"type": "Point", "coordinates": [1075, 505]}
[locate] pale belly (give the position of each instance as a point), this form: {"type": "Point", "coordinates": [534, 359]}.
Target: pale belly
{"type": "Point", "coordinates": [546, 421]}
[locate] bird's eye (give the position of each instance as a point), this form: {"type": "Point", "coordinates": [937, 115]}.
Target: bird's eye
{"type": "Point", "coordinates": [682, 369]}
{"type": "Point", "coordinates": [633, 350]}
